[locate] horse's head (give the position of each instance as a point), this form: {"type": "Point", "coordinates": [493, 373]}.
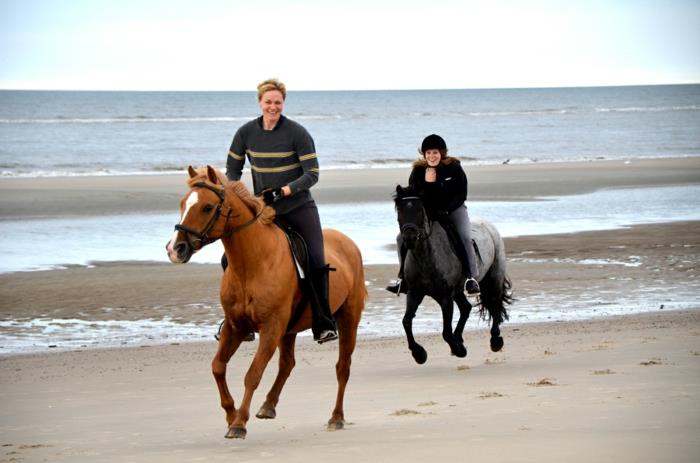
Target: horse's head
{"type": "Point", "coordinates": [413, 221]}
{"type": "Point", "coordinates": [201, 208]}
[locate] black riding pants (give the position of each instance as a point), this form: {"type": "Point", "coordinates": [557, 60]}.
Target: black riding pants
{"type": "Point", "coordinates": [305, 221]}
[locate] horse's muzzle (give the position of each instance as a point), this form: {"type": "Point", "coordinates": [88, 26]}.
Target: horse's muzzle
{"type": "Point", "coordinates": [179, 253]}
{"type": "Point", "coordinates": [410, 236]}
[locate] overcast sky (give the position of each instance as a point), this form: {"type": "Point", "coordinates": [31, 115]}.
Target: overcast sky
{"type": "Point", "coordinates": [358, 44]}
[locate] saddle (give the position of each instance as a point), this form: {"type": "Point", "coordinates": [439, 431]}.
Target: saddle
{"type": "Point", "coordinates": [456, 242]}
{"type": "Point", "coordinates": [300, 255]}
{"type": "Point", "coordinates": [297, 246]}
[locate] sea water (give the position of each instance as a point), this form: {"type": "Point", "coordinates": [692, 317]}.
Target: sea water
{"type": "Point", "coordinates": [76, 133]}
{"type": "Point", "coordinates": [40, 244]}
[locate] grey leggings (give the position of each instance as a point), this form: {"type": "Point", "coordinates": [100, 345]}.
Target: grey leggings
{"type": "Point", "coordinates": [460, 220]}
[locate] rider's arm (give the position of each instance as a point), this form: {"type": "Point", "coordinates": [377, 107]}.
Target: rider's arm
{"type": "Point", "coordinates": [236, 157]}
{"type": "Point", "coordinates": [306, 152]}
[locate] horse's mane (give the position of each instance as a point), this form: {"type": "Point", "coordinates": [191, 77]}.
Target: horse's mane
{"type": "Point", "coordinates": [254, 204]}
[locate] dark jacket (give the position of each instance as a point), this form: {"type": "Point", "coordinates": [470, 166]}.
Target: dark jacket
{"type": "Point", "coordinates": [447, 193]}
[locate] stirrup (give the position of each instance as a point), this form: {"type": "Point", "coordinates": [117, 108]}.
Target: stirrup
{"type": "Point", "coordinates": [396, 287]}
{"type": "Point", "coordinates": [326, 335]}
{"type": "Point", "coordinates": [477, 293]}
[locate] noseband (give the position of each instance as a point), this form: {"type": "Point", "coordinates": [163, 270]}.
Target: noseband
{"type": "Point", "coordinates": [203, 236]}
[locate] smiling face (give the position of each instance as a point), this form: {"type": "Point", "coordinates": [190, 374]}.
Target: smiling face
{"type": "Point", "coordinates": [271, 105]}
{"type": "Point", "coordinates": [433, 157]}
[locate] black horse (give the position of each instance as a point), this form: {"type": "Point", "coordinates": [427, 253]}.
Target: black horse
{"type": "Point", "coordinates": [433, 269]}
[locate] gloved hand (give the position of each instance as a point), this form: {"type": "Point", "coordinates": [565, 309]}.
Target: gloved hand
{"type": "Point", "coordinates": [271, 195]}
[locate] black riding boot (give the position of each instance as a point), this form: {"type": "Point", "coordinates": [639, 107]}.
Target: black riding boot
{"type": "Point", "coordinates": [399, 286]}
{"type": "Point", "coordinates": [323, 324]}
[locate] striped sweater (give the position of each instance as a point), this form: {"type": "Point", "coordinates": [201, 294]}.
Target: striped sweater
{"type": "Point", "coordinates": [283, 156]}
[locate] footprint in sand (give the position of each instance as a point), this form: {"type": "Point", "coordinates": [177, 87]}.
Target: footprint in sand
{"type": "Point", "coordinates": [490, 395]}
{"type": "Point", "coordinates": [405, 412]}
{"type": "Point", "coordinates": [544, 382]}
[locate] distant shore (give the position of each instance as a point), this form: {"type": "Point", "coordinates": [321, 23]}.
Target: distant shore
{"type": "Point", "coordinates": [104, 195]}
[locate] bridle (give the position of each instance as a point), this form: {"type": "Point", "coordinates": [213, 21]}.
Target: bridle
{"type": "Point", "coordinates": [420, 233]}
{"type": "Point", "coordinates": [203, 236]}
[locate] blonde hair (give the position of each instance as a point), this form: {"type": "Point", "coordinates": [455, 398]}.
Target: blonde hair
{"type": "Point", "coordinates": [271, 84]}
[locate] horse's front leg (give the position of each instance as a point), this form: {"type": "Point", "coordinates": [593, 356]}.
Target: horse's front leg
{"type": "Point", "coordinates": [465, 309]}
{"type": "Point", "coordinates": [286, 364]}
{"type": "Point", "coordinates": [229, 341]}
{"type": "Point", "coordinates": [413, 300]}
{"type": "Point", "coordinates": [456, 345]}
{"type": "Point", "coordinates": [270, 336]}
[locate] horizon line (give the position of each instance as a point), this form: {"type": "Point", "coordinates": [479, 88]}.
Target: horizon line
{"type": "Point", "coordinates": [543, 87]}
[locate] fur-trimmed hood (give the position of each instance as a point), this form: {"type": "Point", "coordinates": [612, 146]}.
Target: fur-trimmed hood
{"type": "Point", "coordinates": [446, 161]}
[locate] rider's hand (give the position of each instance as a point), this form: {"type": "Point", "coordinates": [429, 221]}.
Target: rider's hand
{"type": "Point", "coordinates": [271, 195]}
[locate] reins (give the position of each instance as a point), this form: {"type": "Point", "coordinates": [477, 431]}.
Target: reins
{"type": "Point", "coordinates": [203, 236]}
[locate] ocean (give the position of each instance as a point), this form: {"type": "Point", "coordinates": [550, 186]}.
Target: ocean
{"type": "Point", "coordinates": [45, 133]}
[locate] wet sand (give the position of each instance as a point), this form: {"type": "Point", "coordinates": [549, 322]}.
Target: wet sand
{"type": "Point", "coordinates": [61, 196]}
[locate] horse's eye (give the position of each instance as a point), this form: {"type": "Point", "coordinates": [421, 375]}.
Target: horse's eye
{"type": "Point", "coordinates": [208, 208]}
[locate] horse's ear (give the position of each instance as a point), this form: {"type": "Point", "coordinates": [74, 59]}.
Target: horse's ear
{"type": "Point", "coordinates": [399, 191]}
{"type": "Point", "coordinates": [191, 171]}
{"type": "Point", "coordinates": [211, 175]}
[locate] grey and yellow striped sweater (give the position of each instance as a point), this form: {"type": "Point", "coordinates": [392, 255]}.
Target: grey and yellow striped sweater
{"type": "Point", "coordinates": [283, 156]}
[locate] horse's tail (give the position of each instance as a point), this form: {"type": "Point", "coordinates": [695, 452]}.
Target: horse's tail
{"type": "Point", "coordinates": [496, 287]}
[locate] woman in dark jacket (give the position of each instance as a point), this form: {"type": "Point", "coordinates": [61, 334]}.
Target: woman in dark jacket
{"type": "Point", "coordinates": [442, 184]}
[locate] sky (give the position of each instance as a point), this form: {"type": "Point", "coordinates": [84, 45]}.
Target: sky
{"type": "Point", "coordinates": [346, 45]}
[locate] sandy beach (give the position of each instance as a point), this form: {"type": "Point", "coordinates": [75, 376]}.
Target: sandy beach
{"type": "Point", "coordinates": [609, 389]}
{"type": "Point", "coordinates": [621, 389]}
{"type": "Point", "coordinates": [89, 195]}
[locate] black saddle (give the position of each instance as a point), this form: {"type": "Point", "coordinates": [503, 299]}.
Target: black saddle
{"type": "Point", "coordinates": [456, 241]}
{"type": "Point", "coordinates": [297, 246]}
{"type": "Point", "coordinates": [300, 254]}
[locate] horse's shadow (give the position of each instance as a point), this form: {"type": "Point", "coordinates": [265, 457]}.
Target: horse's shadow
{"type": "Point", "coordinates": [432, 269]}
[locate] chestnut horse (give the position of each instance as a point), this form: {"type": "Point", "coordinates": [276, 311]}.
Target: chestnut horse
{"type": "Point", "coordinates": [260, 290]}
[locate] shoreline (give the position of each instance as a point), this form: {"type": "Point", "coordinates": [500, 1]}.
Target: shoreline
{"type": "Point", "coordinates": [105, 195]}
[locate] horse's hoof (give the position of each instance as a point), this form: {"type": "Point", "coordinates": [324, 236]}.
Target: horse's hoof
{"type": "Point", "coordinates": [235, 433]}
{"type": "Point", "coordinates": [496, 344]}
{"type": "Point", "coordinates": [266, 413]}
{"type": "Point", "coordinates": [420, 355]}
{"type": "Point", "coordinates": [459, 351]}
{"type": "Point", "coordinates": [335, 425]}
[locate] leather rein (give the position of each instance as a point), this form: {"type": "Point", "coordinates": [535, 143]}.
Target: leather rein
{"type": "Point", "coordinates": [203, 236]}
